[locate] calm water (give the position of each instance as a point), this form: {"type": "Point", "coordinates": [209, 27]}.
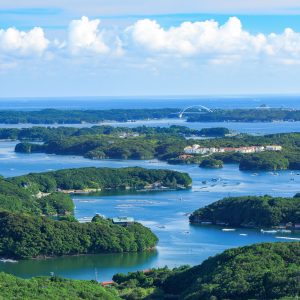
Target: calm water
{"type": "Point", "coordinates": [164, 212]}
{"type": "Point", "coordinates": [251, 128]}
{"type": "Point", "coordinates": [148, 102]}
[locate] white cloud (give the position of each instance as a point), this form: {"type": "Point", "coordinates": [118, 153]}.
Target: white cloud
{"type": "Point", "coordinates": [198, 38]}
{"type": "Point", "coordinates": [214, 42]}
{"type": "Point", "coordinates": [85, 36]}
{"type": "Point", "coordinates": [20, 43]}
{"type": "Point", "coordinates": [207, 41]}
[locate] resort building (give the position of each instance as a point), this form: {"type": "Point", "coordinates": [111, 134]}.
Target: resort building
{"type": "Point", "coordinates": [273, 148]}
{"type": "Point", "coordinates": [197, 149]}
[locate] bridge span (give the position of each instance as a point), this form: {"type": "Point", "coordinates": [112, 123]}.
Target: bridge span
{"type": "Point", "coordinates": [200, 108]}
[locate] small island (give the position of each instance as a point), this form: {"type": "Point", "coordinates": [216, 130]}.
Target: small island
{"type": "Point", "coordinates": [251, 211]}
{"type": "Point", "coordinates": [211, 163]}
{"type": "Point", "coordinates": [27, 236]}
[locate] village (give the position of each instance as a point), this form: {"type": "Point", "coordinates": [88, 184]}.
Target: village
{"type": "Point", "coordinates": [197, 149]}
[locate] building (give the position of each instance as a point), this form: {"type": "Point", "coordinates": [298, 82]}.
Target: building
{"type": "Point", "coordinates": [123, 221]}
{"type": "Point", "coordinates": [273, 148]}
{"type": "Point", "coordinates": [197, 149]}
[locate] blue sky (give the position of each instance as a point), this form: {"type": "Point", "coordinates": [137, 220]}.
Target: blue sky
{"type": "Point", "coordinates": [123, 48]}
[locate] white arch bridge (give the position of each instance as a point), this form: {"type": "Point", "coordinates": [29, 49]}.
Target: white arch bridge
{"type": "Point", "coordinates": [200, 109]}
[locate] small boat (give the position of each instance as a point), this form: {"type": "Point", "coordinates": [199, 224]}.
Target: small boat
{"type": "Point", "coordinates": [287, 238]}
{"type": "Point", "coordinates": [284, 231]}
{"type": "Point", "coordinates": [243, 234]}
{"type": "Point", "coordinates": [268, 231]}
{"type": "Point", "coordinates": [228, 229]}
{"type": "Point", "coordinates": [4, 260]}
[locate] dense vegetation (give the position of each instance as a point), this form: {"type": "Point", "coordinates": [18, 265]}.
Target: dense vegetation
{"type": "Point", "coordinates": [51, 116]}
{"type": "Point", "coordinates": [51, 133]}
{"type": "Point", "coordinates": [169, 146]}
{"type": "Point", "coordinates": [51, 288]}
{"type": "Point", "coordinates": [101, 178]}
{"type": "Point", "coordinates": [30, 193]}
{"type": "Point", "coordinates": [262, 271]}
{"type": "Point", "coordinates": [27, 236]}
{"type": "Point", "coordinates": [288, 158]}
{"type": "Point", "coordinates": [246, 115]}
{"type": "Point", "coordinates": [250, 211]}
{"type": "Point", "coordinates": [27, 202]}
{"type": "Point", "coordinates": [18, 198]}
{"type": "Point", "coordinates": [211, 163]}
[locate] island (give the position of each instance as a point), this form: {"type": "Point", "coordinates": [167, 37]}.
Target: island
{"type": "Point", "coordinates": [27, 236]}
{"type": "Point", "coordinates": [259, 114]}
{"type": "Point", "coordinates": [211, 163]}
{"type": "Point", "coordinates": [59, 116]}
{"type": "Point", "coordinates": [251, 211]}
{"type": "Point", "coordinates": [37, 212]}
{"type": "Point", "coordinates": [260, 271]}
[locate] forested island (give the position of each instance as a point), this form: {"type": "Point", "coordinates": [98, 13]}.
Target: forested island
{"type": "Point", "coordinates": [44, 134]}
{"type": "Point", "coordinates": [36, 212]}
{"type": "Point", "coordinates": [261, 271]}
{"type": "Point", "coordinates": [56, 116]}
{"type": "Point", "coordinates": [250, 211]}
{"type": "Point", "coordinates": [247, 115]}
{"type": "Point", "coordinates": [27, 236]}
{"type": "Point", "coordinates": [167, 144]}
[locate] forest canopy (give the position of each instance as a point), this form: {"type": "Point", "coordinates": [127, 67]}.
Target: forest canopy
{"type": "Point", "coordinates": [250, 211]}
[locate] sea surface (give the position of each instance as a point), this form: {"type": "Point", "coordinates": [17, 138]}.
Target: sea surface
{"type": "Point", "coordinates": [225, 102]}
{"type": "Point", "coordinates": [166, 213]}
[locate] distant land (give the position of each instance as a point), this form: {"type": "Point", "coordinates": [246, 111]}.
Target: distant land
{"type": "Point", "coordinates": [192, 114]}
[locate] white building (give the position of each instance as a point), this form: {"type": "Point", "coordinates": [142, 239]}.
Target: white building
{"type": "Point", "coordinates": [273, 148]}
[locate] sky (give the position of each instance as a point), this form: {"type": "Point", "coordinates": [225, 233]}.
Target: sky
{"type": "Point", "coordinates": [137, 47]}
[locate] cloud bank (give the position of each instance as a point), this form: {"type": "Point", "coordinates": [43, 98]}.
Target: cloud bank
{"type": "Point", "coordinates": [20, 43]}
{"type": "Point", "coordinates": [207, 41]}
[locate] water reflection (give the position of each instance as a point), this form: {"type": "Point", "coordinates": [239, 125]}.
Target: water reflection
{"type": "Point", "coordinates": [83, 266]}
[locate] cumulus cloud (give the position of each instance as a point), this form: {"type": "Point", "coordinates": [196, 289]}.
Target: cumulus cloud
{"type": "Point", "coordinates": [194, 38]}
{"type": "Point", "coordinates": [20, 43]}
{"type": "Point", "coordinates": [218, 43]}
{"type": "Point", "coordinates": [85, 36]}
{"type": "Point", "coordinates": [147, 39]}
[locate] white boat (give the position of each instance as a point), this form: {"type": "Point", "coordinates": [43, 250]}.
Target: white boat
{"type": "Point", "coordinates": [4, 260]}
{"type": "Point", "coordinates": [243, 234]}
{"type": "Point", "coordinates": [268, 231]}
{"type": "Point", "coordinates": [287, 238]}
{"type": "Point", "coordinates": [284, 231]}
{"type": "Point", "coordinates": [228, 229]}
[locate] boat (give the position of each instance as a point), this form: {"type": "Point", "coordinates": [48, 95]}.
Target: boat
{"type": "Point", "coordinates": [243, 234]}
{"type": "Point", "coordinates": [7, 260]}
{"type": "Point", "coordinates": [228, 229]}
{"type": "Point", "coordinates": [268, 231]}
{"type": "Point", "coordinates": [284, 231]}
{"type": "Point", "coordinates": [287, 238]}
